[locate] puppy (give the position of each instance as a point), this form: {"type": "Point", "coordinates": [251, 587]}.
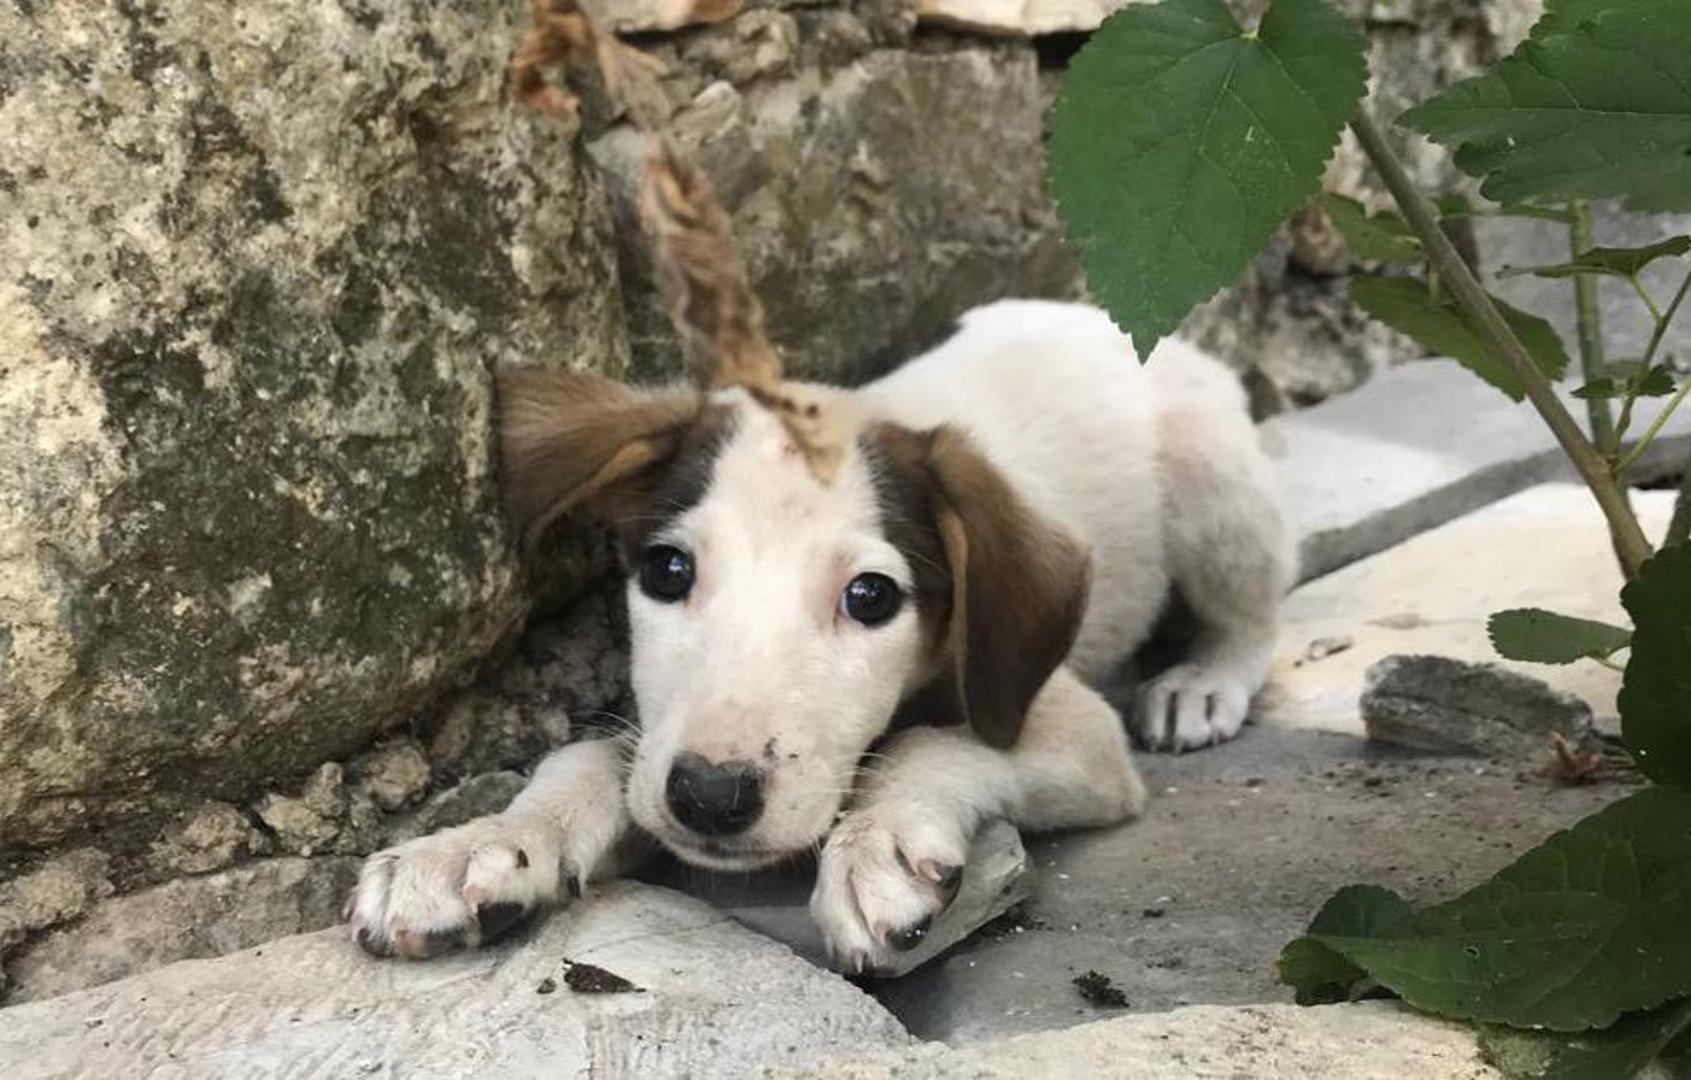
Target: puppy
{"type": "Point", "coordinates": [872, 660]}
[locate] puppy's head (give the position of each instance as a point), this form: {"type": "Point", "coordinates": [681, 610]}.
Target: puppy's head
{"type": "Point", "coordinates": [781, 621]}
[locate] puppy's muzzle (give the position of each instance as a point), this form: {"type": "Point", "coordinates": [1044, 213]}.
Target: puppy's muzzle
{"type": "Point", "coordinates": [714, 799]}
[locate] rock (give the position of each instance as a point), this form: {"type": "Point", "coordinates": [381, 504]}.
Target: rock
{"type": "Point", "coordinates": [310, 822]}
{"type": "Point", "coordinates": [488, 793]}
{"type": "Point", "coordinates": [260, 265]}
{"type": "Point", "coordinates": [201, 916]}
{"type": "Point", "coordinates": [209, 838]}
{"type": "Point", "coordinates": [1027, 17]}
{"type": "Point", "coordinates": [717, 1001]}
{"type": "Point", "coordinates": [571, 664]}
{"type": "Point", "coordinates": [1370, 1040]}
{"type": "Point", "coordinates": [866, 225]}
{"type": "Point", "coordinates": [58, 891]}
{"type": "Point", "coordinates": [1443, 706]}
{"type": "Point", "coordinates": [394, 775]}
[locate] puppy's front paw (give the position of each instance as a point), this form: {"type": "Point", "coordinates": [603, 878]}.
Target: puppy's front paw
{"type": "Point", "coordinates": [1190, 706]}
{"type": "Point", "coordinates": [464, 886]}
{"type": "Point", "coordinates": [883, 876]}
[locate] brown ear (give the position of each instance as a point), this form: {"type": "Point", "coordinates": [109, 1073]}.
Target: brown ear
{"type": "Point", "coordinates": [569, 440]}
{"type": "Point", "coordinates": [1018, 584]}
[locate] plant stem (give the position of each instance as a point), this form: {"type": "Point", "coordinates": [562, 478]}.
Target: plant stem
{"type": "Point", "coordinates": [1590, 321]}
{"type": "Point", "coordinates": [1663, 320]}
{"type": "Point", "coordinates": [1653, 430]}
{"type": "Point", "coordinates": [1630, 545]}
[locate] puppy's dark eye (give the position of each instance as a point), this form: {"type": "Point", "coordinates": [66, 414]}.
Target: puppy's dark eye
{"type": "Point", "coordinates": [666, 573]}
{"type": "Point", "coordinates": [871, 599]}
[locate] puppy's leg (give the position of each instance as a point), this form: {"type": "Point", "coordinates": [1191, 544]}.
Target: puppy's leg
{"type": "Point", "coordinates": [895, 860]}
{"type": "Point", "coordinates": [1230, 555]}
{"type": "Point", "coordinates": [468, 885]}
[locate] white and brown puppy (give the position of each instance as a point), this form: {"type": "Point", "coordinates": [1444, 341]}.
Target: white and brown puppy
{"type": "Point", "coordinates": [1004, 523]}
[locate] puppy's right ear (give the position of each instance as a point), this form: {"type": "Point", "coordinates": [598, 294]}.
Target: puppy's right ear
{"type": "Point", "coordinates": [570, 441]}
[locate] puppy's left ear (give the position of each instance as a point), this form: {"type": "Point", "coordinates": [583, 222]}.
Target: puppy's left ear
{"type": "Point", "coordinates": [1019, 588]}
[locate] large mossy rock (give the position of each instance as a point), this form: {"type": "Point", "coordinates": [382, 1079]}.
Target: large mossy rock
{"type": "Point", "coordinates": [257, 265]}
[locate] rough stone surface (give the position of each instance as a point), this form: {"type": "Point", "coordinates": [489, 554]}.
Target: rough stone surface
{"type": "Point", "coordinates": [1444, 706]}
{"type": "Point", "coordinates": [208, 838]}
{"type": "Point", "coordinates": [192, 917]}
{"type": "Point", "coordinates": [866, 224]}
{"type": "Point", "coordinates": [1418, 446]}
{"type": "Point", "coordinates": [1365, 1041]}
{"type": "Point", "coordinates": [58, 891]}
{"type": "Point", "coordinates": [715, 1000]}
{"type": "Point", "coordinates": [258, 268]}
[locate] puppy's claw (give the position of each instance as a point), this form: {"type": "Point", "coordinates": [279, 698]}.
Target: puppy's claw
{"type": "Point", "coordinates": [911, 936]}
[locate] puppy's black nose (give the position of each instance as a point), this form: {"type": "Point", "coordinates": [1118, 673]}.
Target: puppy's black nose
{"type": "Point", "coordinates": [714, 799]}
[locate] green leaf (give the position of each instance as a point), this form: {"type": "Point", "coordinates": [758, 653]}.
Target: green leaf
{"type": "Point", "coordinates": [1655, 699]}
{"type": "Point", "coordinates": [1629, 377]}
{"type": "Point", "coordinates": [1378, 238]}
{"type": "Point", "coordinates": [1615, 1053]}
{"type": "Point", "coordinates": [1598, 105]}
{"type": "Point", "coordinates": [1587, 926]}
{"type": "Point", "coordinates": [1179, 142]}
{"type": "Point", "coordinates": [1612, 262]}
{"type": "Point", "coordinates": [1318, 974]}
{"type": "Point", "coordinates": [1406, 304]}
{"type": "Point", "coordinates": [1544, 637]}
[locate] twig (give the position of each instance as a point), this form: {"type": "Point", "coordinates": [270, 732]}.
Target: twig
{"type": "Point", "coordinates": [1663, 320]}
{"type": "Point", "coordinates": [1589, 319]}
{"type": "Point", "coordinates": [1653, 430]}
{"type": "Point", "coordinates": [1630, 545]}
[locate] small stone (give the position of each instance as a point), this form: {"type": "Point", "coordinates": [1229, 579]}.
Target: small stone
{"type": "Point", "coordinates": [1154, 912]}
{"type": "Point", "coordinates": [1100, 989]}
{"type": "Point", "coordinates": [210, 838]}
{"type": "Point", "coordinates": [1323, 647]}
{"type": "Point", "coordinates": [547, 985]}
{"type": "Point", "coordinates": [394, 775]}
{"type": "Point", "coordinates": [1443, 706]}
{"type": "Point", "coordinates": [592, 979]}
{"type": "Point", "coordinates": [58, 891]}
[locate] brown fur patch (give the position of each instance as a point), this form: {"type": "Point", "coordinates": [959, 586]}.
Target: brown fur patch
{"type": "Point", "coordinates": [1001, 591]}
{"type": "Point", "coordinates": [572, 441]}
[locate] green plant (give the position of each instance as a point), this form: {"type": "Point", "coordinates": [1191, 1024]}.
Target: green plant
{"type": "Point", "coordinates": [1180, 141]}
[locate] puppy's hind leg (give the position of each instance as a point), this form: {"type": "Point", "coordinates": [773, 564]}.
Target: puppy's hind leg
{"type": "Point", "coordinates": [1231, 558]}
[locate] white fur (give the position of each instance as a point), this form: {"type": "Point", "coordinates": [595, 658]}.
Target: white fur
{"type": "Point", "coordinates": [1155, 467]}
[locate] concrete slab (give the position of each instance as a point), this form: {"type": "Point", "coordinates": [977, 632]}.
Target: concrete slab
{"type": "Point", "coordinates": [1366, 1041]}
{"type": "Point", "coordinates": [715, 1000]}
{"type": "Point", "coordinates": [1415, 447]}
{"type": "Point", "coordinates": [1242, 843]}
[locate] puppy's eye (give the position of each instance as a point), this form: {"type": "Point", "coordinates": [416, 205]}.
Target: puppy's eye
{"type": "Point", "coordinates": [666, 573]}
{"type": "Point", "coordinates": [871, 599]}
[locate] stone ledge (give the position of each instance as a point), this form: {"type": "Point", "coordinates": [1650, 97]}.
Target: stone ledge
{"type": "Point", "coordinates": [1365, 1041]}
{"type": "Point", "coordinates": [717, 1001]}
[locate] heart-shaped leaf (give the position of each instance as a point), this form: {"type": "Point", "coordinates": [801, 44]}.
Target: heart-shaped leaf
{"type": "Point", "coordinates": [1180, 142]}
